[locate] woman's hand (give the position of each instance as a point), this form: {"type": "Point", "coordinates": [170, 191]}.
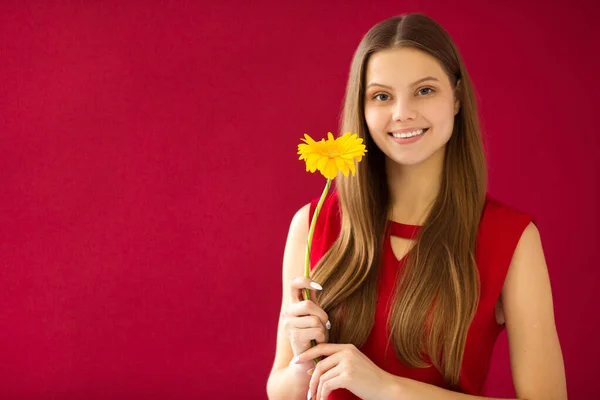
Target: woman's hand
{"type": "Point", "coordinates": [305, 320]}
{"type": "Point", "coordinates": [348, 368]}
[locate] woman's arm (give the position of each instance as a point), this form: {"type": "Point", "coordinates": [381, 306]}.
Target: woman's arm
{"type": "Point", "coordinates": [535, 354]}
{"type": "Point", "coordinates": [285, 381]}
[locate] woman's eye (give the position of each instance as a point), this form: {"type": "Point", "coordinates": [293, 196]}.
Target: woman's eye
{"type": "Point", "coordinates": [425, 94]}
{"type": "Point", "coordinates": [379, 98]}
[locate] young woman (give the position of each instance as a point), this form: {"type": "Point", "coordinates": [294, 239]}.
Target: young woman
{"type": "Point", "coordinates": [418, 268]}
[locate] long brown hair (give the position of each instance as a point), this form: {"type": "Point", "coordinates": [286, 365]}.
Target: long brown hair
{"type": "Point", "coordinates": [437, 295]}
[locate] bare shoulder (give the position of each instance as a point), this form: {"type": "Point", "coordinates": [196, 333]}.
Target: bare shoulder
{"type": "Point", "coordinates": [531, 238]}
{"type": "Point", "coordinates": [529, 248]}
{"type": "Point", "coordinates": [299, 224]}
{"type": "Point", "coordinates": [528, 278]}
{"type": "Point", "coordinates": [295, 247]}
{"type": "Point", "coordinates": [296, 241]}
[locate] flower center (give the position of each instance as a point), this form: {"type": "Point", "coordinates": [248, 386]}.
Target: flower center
{"type": "Point", "coordinates": [331, 153]}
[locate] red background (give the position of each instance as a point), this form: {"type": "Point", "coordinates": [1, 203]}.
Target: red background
{"type": "Point", "coordinates": [149, 174]}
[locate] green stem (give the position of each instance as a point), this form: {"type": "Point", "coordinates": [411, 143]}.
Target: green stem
{"type": "Point", "coordinates": [311, 232]}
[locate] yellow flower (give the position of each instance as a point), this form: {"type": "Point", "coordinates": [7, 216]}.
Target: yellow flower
{"type": "Point", "coordinates": [329, 157]}
{"type": "Point", "coordinates": [332, 155]}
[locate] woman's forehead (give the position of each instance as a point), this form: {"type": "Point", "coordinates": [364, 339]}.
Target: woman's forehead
{"type": "Point", "coordinates": [402, 67]}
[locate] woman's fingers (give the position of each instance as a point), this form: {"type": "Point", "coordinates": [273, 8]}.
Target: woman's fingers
{"type": "Point", "coordinates": [309, 321]}
{"type": "Point", "coordinates": [307, 307]}
{"type": "Point", "coordinates": [299, 284]}
{"type": "Point", "coordinates": [305, 320]}
{"type": "Point", "coordinates": [308, 334]}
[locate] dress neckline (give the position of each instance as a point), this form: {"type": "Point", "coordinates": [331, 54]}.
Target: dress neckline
{"type": "Point", "coordinates": [405, 231]}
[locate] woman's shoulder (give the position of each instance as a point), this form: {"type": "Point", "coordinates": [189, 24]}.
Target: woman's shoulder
{"type": "Point", "coordinates": [501, 227]}
{"type": "Point", "coordinates": [501, 213]}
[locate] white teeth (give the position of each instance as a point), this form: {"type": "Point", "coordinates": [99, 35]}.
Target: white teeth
{"type": "Point", "coordinates": [408, 134]}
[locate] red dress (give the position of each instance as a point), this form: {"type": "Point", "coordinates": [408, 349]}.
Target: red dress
{"type": "Point", "coordinates": [499, 232]}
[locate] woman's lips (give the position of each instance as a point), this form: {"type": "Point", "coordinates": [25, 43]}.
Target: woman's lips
{"type": "Point", "coordinates": [409, 140]}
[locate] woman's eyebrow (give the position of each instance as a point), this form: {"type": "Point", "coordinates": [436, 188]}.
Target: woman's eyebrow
{"type": "Point", "coordinates": [427, 78]}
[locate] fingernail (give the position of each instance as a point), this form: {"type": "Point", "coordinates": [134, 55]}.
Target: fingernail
{"type": "Point", "coordinates": [328, 325]}
{"type": "Point", "coordinates": [295, 360]}
{"type": "Point", "coordinates": [308, 396]}
{"type": "Point", "coordinates": [310, 371]}
{"type": "Point", "coordinates": [315, 285]}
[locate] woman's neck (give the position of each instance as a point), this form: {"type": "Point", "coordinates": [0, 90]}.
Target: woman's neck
{"type": "Point", "coordinates": [414, 188]}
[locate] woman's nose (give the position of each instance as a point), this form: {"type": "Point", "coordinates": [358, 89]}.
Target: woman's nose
{"type": "Point", "coordinates": [404, 110]}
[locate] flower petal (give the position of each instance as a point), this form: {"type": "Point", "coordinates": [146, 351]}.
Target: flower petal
{"type": "Point", "coordinates": [341, 165]}
{"type": "Point", "coordinates": [352, 167]}
{"type": "Point", "coordinates": [308, 140]}
{"type": "Point", "coordinates": [330, 170]}
{"type": "Point", "coordinates": [322, 163]}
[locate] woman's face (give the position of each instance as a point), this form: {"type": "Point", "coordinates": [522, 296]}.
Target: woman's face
{"type": "Point", "coordinates": [407, 91]}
